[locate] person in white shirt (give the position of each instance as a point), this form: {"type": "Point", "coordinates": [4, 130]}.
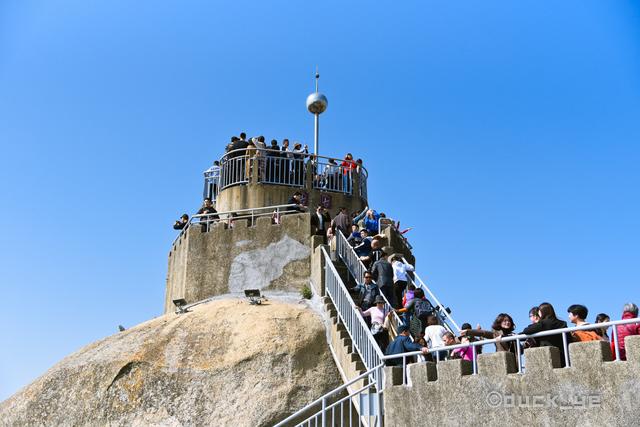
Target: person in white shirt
{"type": "Point", "coordinates": [212, 179]}
{"type": "Point", "coordinates": [400, 279]}
{"type": "Point", "coordinates": [433, 336]}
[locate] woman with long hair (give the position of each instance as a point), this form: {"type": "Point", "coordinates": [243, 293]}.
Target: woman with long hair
{"type": "Point", "coordinates": [548, 322]}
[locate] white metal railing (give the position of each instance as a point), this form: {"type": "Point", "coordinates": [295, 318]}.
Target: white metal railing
{"type": "Point", "coordinates": [233, 170]}
{"type": "Point", "coordinates": [279, 170]}
{"type": "Point", "coordinates": [333, 177]}
{"type": "Point", "coordinates": [211, 183]}
{"type": "Point", "coordinates": [519, 339]}
{"type": "Point", "coordinates": [288, 168]}
{"type": "Point", "coordinates": [228, 217]}
{"type": "Point", "coordinates": [441, 311]}
{"type": "Point", "coordinates": [329, 410]}
{"type": "Point", "coordinates": [355, 325]}
{"type": "Point", "coordinates": [357, 269]}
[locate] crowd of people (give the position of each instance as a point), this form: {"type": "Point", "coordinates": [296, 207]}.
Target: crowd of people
{"type": "Point", "coordinates": [281, 164]}
{"type": "Point", "coordinates": [422, 331]}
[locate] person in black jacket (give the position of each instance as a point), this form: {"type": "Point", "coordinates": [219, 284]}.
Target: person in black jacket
{"type": "Point", "coordinates": [382, 272]}
{"type": "Point", "coordinates": [320, 222]}
{"type": "Point", "coordinates": [548, 322]}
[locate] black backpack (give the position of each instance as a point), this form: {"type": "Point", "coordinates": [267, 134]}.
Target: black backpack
{"type": "Point", "coordinates": [423, 309]}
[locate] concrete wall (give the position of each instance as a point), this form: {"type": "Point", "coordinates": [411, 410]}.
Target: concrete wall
{"type": "Point", "coordinates": [593, 392]}
{"type": "Point", "coordinates": [265, 256]}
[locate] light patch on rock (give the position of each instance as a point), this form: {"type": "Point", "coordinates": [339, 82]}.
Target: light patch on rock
{"type": "Point", "coordinates": [256, 269]}
{"type": "Point", "coordinates": [241, 243]}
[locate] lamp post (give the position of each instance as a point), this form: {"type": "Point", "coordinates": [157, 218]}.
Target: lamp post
{"type": "Point", "coordinates": [316, 104]}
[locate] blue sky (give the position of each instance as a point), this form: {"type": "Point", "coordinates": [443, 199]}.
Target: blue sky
{"type": "Point", "coordinates": [505, 133]}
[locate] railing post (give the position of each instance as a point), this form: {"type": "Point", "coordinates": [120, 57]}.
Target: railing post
{"type": "Point", "coordinates": [324, 412]}
{"type": "Point", "coordinates": [475, 359]}
{"type": "Point", "coordinates": [566, 349]}
{"type": "Point", "coordinates": [519, 359]}
{"type": "Point", "coordinates": [615, 342]}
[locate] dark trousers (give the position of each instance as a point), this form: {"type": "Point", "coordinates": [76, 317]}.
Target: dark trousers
{"type": "Point", "coordinates": [399, 288]}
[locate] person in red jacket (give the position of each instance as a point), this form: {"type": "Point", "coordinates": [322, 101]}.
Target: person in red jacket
{"type": "Point", "coordinates": [348, 166]}
{"type": "Point", "coordinates": [629, 311]}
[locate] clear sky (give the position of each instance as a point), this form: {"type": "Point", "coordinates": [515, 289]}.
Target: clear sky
{"type": "Point", "coordinates": [506, 133]}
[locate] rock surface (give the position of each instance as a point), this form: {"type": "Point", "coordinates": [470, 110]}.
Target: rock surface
{"type": "Point", "coordinates": [224, 363]}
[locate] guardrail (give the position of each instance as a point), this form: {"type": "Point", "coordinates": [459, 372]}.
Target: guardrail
{"type": "Point", "coordinates": [207, 220]}
{"type": "Point", "coordinates": [332, 402]}
{"type": "Point", "coordinates": [333, 177]}
{"type": "Point", "coordinates": [357, 328]}
{"type": "Point", "coordinates": [288, 168]}
{"type": "Point", "coordinates": [442, 312]}
{"type": "Point", "coordinates": [519, 339]}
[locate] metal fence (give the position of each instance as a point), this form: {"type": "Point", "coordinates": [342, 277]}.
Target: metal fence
{"type": "Point", "coordinates": [206, 221]}
{"type": "Point", "coordinates": [288, 168]}
{"type": "Point", "coordinates": [233, 170]}
{"type": "Point", "coordinates": [280, 171]}
{"type": "Point", "coordinates": [211, 184]}
{"type": "Point", "coordinates": [332, 177]}
{"type": "Point", "coordinates": [357, 328]}
{"type": "Point", "coordinates": [334, 408]}
{"type": "Point", "coordinates": [519, 339]}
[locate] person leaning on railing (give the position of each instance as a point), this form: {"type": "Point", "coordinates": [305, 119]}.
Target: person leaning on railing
{"type": "Point", "coordinates": [181, 223]}
{"type": "Point", "coordinates": [207, 209]}
{"type": "Point", "coordinates": [549, 321]}
{"type": "Point", "coordinates": [502, 327]}
{"type": "Point", "coordinates": [629, 311]}
{"type": "Point", "coordinates": [403, 344]}
{"type": "Point", "coordinates": [577, 315]}
{"type": "Point", "coordinates": [296, 200]}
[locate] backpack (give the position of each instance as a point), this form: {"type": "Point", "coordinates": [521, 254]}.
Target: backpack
{"type": "Point", "coordinates": [423, 309]}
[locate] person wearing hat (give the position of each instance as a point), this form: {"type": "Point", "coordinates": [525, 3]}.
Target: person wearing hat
{"type": "Point", "coordinates": [377, 315]}
{"type": "Point", "coordinates": [403, 344]}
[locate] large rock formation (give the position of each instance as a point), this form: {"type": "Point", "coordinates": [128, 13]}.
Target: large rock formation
{"type": "Point", "coordinates": [225, 363]}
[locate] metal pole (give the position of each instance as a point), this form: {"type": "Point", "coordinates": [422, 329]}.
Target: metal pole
{"type": "Point", "coordinates": [475, 359]}
{"type": "Point", "coordinates": [316, 133]}
{"type": "Point", "coordinates": [615, 342]}
{"type": "Point", "coordinates": [566, 349]}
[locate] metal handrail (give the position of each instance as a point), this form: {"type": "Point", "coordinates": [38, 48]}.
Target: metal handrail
{"type": "Point", "coordinates": [323, 399]}
{"type": "Point", "coordinates": [250, 214]}
{"type": "Point", "coordinates": [357, 269]}
{"type": "Point", "coordinates": [518, 339]}
{"type": "Point", "coordinates": [363, 340]}
{"type": "Point", "coordinates": [443, 314]}
{"type": "Point", "coordinates": [236, 168]}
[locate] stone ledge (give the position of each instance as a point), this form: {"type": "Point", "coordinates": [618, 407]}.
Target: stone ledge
{"type": "Point", "coordinates": [589, 354]}
{"type": "Point", "coordinates": [497, 364]}
{"type": "Point", "coordinates": [540, 359]}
